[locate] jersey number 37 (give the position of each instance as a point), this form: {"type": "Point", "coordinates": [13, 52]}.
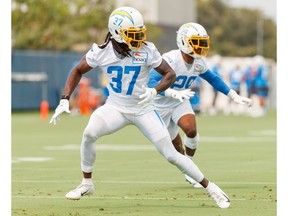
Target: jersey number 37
{"type": "Point", "coordinates": [119, 72]}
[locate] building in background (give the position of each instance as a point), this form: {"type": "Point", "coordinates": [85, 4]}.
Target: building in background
{"type": "Point", "coordinates": [166, 15]}
{"type": "Point", "coordinates": [163, 12]}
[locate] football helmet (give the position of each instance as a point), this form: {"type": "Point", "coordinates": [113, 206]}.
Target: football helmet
{"type": "Point", "coordinates": [193, 40]}
{"type": "Point", "coordinates": [126, 25]}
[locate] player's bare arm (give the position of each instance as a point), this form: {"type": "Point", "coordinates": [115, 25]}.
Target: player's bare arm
{"type": "Point", "coordinates": [72, 81]}
{"type": "Point", "coordinates": [169, 76]}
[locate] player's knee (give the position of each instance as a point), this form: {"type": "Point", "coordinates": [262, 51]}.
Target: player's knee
{"type": "Point", "coordinates": [192, 143]}
{"type": "Point", "coordinates": [191, 132]}
{"type": "Point", "coordinates": [171, 159]}
{"type": "Point", "coordinates": [168, 151]}
{"type": "Point", "coordinates": [89, 134]}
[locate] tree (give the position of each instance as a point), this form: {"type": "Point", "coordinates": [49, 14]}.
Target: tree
{"type": "Point", "coordinates": [59, 25]}
{"type": "Point", "coordinates": [73, 25]}
{"type": "Point", "coordinates": [233, 31]}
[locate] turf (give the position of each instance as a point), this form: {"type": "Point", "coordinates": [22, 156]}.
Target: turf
{"type": "Point", "coordinates": [131, 178]}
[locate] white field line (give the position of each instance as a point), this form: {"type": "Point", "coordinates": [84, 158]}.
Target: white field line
{"type": "Point", "coordinates": [145, 182]}
{"type": "Point", "coordinates": [148, 147]}
{"type": "Point", "coordinates": [125, 198]}
{"type": "Point", "coordinates": [134, 198]}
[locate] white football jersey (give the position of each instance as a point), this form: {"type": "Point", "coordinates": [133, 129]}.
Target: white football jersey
{"type": "Point", "coordinates": [185, 75]}
{"type": "Point", "coordinates": [125, 76]}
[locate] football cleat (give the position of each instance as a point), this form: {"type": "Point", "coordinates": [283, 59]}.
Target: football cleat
{"type": "Point", "coordinates": [81, 190]}
{"type": "Point", "coordinates": [221, 199]}
{"type": "Point", "coordinates": [193, 182]}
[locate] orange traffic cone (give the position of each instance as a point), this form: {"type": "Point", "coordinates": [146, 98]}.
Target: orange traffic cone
{"type": "Point", "coordinates": [44, 110]}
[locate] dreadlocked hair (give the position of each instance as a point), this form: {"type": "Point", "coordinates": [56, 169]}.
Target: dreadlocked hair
{"type": "Point", "coordinates": [121, 48]}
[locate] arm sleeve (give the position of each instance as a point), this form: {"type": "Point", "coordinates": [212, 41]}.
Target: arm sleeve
{"type": "Point", "coordinates": [155, 58]}
{"type": "Point", "coordinates": [216, 81]}
{"type": "Point", "coordinates": [91, 56]}
{"type": "Point", "coordinates": [154, 79]}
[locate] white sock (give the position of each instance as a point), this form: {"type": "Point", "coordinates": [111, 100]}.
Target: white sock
{"type": "Point", "coordinates": [87, 181]}
{"type": "Point", "coordinates": [210, 186]}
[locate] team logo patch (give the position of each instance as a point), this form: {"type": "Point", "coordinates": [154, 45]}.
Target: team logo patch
{"type": "Point", "coordinates": [123, 13]}
{"type": "Point", "coordinates": [198, 68]}
{"type": "Point", "coordinates": [139, 57]}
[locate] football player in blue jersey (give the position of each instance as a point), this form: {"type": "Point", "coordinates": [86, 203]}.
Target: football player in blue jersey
{"type": "Point", "coordinates": [126, 59]}
{"type": "Point", "coordinates": [173, 105]}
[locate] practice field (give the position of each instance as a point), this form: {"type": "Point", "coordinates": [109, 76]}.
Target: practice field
{"type": "Point", "coordinates": [131, 178]}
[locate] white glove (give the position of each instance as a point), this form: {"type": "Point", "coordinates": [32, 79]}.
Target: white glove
{"type": "Point", "coordinates": [148, 96]}
{"type": "Point", "coordinates": [62, 107]}
{"type": "Point", "coordinates": [239, 99]}
{"type": "Point", "coordinates": [180, 95]}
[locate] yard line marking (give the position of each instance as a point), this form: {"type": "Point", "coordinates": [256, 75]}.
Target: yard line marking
{"type": "Point", "coordinates": [31, 159]}
{"type": "Point", "coordinates": [145, 182]}
{"type": "Point", "coordinates": [134, 198]}
{"type": "Point", "coordinates": [125, 197]}
{"type": "Point", "coordinates": [149, 147]}
{"type": "Point", "coordinates": [271, 132]}
{"type": "Point", "coordinates": [239, 139]}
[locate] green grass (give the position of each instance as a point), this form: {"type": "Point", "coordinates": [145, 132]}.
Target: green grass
{"type": "Point", "coordinates": [131, 178]}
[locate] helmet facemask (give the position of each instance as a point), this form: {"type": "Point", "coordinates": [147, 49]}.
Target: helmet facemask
{"type": "Point", "coordinates": [200, 45]}
{"type": "Point", "coordinates": [134, 37]}
{"type": "Point", "coordinates": [193, 40]}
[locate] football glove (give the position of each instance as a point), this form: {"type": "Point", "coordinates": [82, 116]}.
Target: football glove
{"type": "Point", "coordinates": [179, 95]}
{"type": "Point", "coordinates": [62, 107]}
{"type": "Point", "coordinates": [239, 99]}
{"type": "Point", "coordinates": [148, 95]}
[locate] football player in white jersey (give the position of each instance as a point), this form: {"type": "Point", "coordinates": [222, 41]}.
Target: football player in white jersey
{"type": "Point", "coordinates": [126, 59]}
{"type": "Point", "coordinates": [173, 105]}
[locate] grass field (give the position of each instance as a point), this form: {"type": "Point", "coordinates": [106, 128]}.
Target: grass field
{"type": "Point", "coordinates": [131, 178]}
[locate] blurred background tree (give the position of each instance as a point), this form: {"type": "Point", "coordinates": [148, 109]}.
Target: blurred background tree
{"type": "Point", "coordinates": [73, 25]}
{"type": "Point", "coordinates": [234, 31]}
{"type": "Point", "coordinates": [59, 25]}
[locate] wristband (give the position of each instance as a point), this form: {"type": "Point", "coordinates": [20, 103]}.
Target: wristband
{"type": "Point", "coordinates": [65, 97]}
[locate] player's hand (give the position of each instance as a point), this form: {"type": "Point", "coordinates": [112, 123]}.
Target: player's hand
{"type": "Point", "coordinates": [179, 95]}
{"type": "Point", "coordinates": [148, 95]}
{"type": "Point", "coordinates": [62, 107]}
{"type": "Point", "coordinates": [239, 99]}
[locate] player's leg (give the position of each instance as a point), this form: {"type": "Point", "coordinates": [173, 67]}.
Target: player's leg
{"type": "Point", "coordinates": [184, 116]}
{"type": "Point", "coordinates": [173, 129]}
{"type": "Point", "coordinates": [153, 127]}
{"type": "Point", "coordinates": [189, 168]}
{"type": "Point", "coordinates": [177, 142]}
{"type": "Point", "coordinates": [104, 120]}
{"type": "Point", "coordinates": [191, 138]}
{"type": "Point", "coordinates": [160, 137]}
{"type": "Point", "coordinates": [191, 141]}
